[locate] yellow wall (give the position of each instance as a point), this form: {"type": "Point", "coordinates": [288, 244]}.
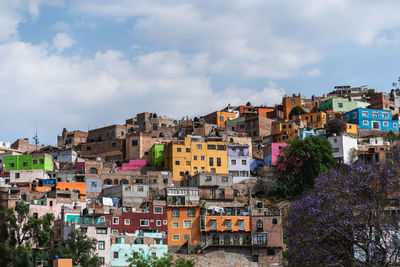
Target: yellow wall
{"type": "Point", "coordinates": [311, 119]}
{"type": "Point", "coordinates": [351, 128]}
{"type": "Point", "coordinates": [284, 128]}
{"type": "Point", "coordinates": [225, 116]}
{"type": "Point", "coordinates": [194, 231]}
{"type": "Point", "coordinates": [185, 155]}
{"type": "Point", "coordinates": [221, 223]}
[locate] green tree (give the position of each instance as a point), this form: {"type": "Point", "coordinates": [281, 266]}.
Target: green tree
{"type": "Point", "coordinates": [390, 136]}
{"type": "Point", "coordinates": [18, 223]}
{"type": "Point", "coordinates": [302, 161]}
{"type": "Point", "coordinates": [336, 126]}
{"type": "Point", "coordinates": [146, 260]}
{"type": "Point", "coordinates": [296, 111]}
{"type": "Point", "coordinates": [5, 250]}
{"type": "Point", "coordinates": [80, 248]}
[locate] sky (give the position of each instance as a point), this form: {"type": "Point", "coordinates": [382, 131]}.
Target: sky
{"type": "Point", "coordinates": [86, 64]}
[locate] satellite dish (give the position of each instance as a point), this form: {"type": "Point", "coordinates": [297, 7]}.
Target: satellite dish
{"type": "Point", "coordinates": [172, 185]}
{"type": "Point", "coordinates": [98, 159]}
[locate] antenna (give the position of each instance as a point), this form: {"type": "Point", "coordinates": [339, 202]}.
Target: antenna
{"type": "Point", "coordinates": [36, 139]}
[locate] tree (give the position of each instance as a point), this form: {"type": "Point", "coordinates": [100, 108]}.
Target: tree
{"type": "Point", "coordinates": [18, 223]}
{"type": "Point", "coordinates": [302, 161]}
{"type": "Point", "coordinates": [345, 221]}
{"type": "Point", "coordinates": [5, 250]}
{"type": "Point", "coordinates": [336, 126]}
{"type": "Point", "coordinates": [296, 111]}
{"type": "Point", "coordinates": [80, 248]}
{"type": "Point", "coordinates": [390, 136]}
{"type": "Point", "coordinates": [146, 260]}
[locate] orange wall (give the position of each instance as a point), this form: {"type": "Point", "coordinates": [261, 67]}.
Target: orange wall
{"type": "Point", "coordinates": [226, 115]}
{"type": "Point", "coordinates": [62, 263]}
{"type": "Point", "coordinates": [42, 188]}
{"type": "Point", "coordinates": [194, 232]}
{"type": "Point", "coordinates": [81, 186]}
{"type": "Point", "coordinates": [221, 223]}
{"type": "Point", "coordinates": [263, 111]}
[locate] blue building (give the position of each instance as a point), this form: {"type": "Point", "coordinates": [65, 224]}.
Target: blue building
{"type": "Point", "coordinates": [304, 134]}
{"type": "Point", "coordinates": [372, 119]}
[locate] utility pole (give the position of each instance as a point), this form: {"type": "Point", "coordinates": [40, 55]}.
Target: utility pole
{"type": "Point", "coordinates": [36, 139]}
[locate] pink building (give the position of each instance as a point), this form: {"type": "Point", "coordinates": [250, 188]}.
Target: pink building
{"type": "Point", "coordinates": [135, 164]}
{"type": "Point", "coordinates": [274, 151]}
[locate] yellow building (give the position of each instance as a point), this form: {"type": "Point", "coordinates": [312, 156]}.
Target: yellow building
{"type": "Point", "coordinates": [284, 131]}
{"type": "Point", "coordinates": [351, 128]}
{"type": "Point", "coordinates": [194, 155]}
{"type": "Point", "coordinates": [316, 120]}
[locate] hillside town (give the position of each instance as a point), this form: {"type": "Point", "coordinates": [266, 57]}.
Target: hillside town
{"type": "Point", "coordinates": [202, 188]}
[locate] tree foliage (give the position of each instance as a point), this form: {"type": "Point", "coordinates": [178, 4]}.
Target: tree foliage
{"type": "Point", "coordinates": [336, 126]}
{"type": "Point", "coordinates": [296, 111]}
{"type": "Point", "coordinates": [301, 162]}
{"type": "Point", "coordinates": [80, 248]}
{"type": "Point", "coordinates": [345, 220]}
{"type": "Point", "coordinates": [146, 260]}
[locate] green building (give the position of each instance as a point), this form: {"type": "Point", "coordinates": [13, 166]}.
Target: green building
{"type": "Point", "coordinates": [341, 105]}
{"type": "Point", "coordinates": [157, 155]}
{"type": "Point", "coordinates": [28, 162]}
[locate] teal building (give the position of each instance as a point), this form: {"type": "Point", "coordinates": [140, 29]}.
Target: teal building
{"type": "Point", "coordinates": [341, 105]}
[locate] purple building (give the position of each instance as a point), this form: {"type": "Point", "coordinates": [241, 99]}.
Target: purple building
{"type": "Point", "coordinates": [238, 162]}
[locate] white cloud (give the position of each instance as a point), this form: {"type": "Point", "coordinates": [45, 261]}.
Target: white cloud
{"type": "Point", "coordinates": [62, 41]}
{"type": "Point", "coordinates": [61, 26]}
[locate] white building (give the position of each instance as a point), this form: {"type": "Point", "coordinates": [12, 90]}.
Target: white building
{"type": "Point", "coordinates": [343, 147]}
{"type": "Point", "coordinates": [5, 145]}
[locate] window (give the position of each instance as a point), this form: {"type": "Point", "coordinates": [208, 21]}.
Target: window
{"type": "Point", "coordinates": [25, 164]}
{"type": "Point", "coordinates": [158, 210]}
{"type": "Point", "coordinates": [224, 179]}
{"type": "Point", "coordinates": [101, 245]}
{"type": "Point", "coordinates": [244, 162]}
{"type": "Point", "coordinates": [218, 161]}
{"type": "Point", "coordinates": [144, 223]}
{"type": "Point", "coordinates": [335, 140]}
{"type": "Point", "coordinates": [213, 224]}
{"type": "Point", "coordinates": [376, 125]}
{"type": "Point", "coordinates": [222, 193]}
{"type": "Point", "coordinates": [260, 226]}
{"type": "Point", "coordinates": [221, 118]}
{"type": "Point", "coordinates": [365, 122]}
{"type": "Point", "coordinates": [213, 170]}
{"type": "Point", "coordinates": [127, 222]}
{"type": "Point", "coordinates": [34, 161]}
{"type": "Point", "coordinates": [354, 115]}
{"type": "Point", "coordinates": [336, 150]}
{"type": "Point", "coordinates": [385, 115]}
{"type": "Point", "coordinates": [202, 158]}
{"type": "Point", "coordinates": [191, 213]}
{"type": "Point", "coordinates": [211, 161]}
{"type": "Point", "coordinates": [175, 224]}
{"type": "Point", "coordinates": [177, 162]}
{"type": "Point", "coordinates": [212, 193]}
{"type": "Point", "coordinates": [179, 149]}
{"type": "Point", "coordinates": [175, 237]}
{"type": "Point", "coordinates": [241, 225]}
{"type": "Point", "coordinates": [115, 220]}
{"type": "Point", "coordinates": [259, 239]}
{"type": "Point", "coordinates": [101, 260]}
{"type": "Point", "coordinates": [114, 231]}
{"type": "Point", "coordinates": [17, 176]}
{"type": "Point", "coordinates": [194, 157]}
{"type": "Point", "coordinates": [101, 230]}
{"type": "Point", "coordinates": [187, 237]}
{"type": "Point", "coordinates": [385, 123]}
{"type": "Point", "coordinates": [188, 150]}
{"type": "Point", "coordinates": [158, 222]}
{"type": "Point", "coordinates": [233, 161]}
{"type": "Point", "coordinates": [292, 101]}
{"type": "Point", "coordinates": [134, 142]}
{"type": "Point", "coordinates": [165, 222]}
{"type": "Point", "coordinates": [274, 221]}
{"type": "Point", "coordinates": [270, 252]}
{"type": "Point", "coordinates": [93, 184]}
{"type": "Point", "coordinates": [41, 161]}
{"type": "Point", "coordinates": [199, 146]}
{"type": "Point", "coordinates": [228, 225]}
{"type": "Point", "coordinates": [340, 105]}
{"type": "Point", "coordinates": [93, 171]}
{"type": "Point", "coordinates": [113, 144]}
{"type": "Point", "coordinates": [187, 223]}
{"type": "Point", "coordinates": [211, 147]}
{"type": "Point", "coordinates": [188, 163]}
{"type": "Point", "coordinates": [221, 147]}
{"type": "Point", "coordinates": [115, 255]}
{"type": "Point", "coordinates": [394, 125]}
{"type": "Point", "coordinates": [375, 114]}
{"type": "Point", "coordinates": [88, 148]}
{"type": "Point", "coordinates": [175, 213]}
{"type": "Point", "coordinates": [181, 173]}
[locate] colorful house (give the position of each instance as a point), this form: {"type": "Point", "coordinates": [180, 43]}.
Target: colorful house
{"type": "Point", "coordinates": [157, 155]}
{"type": "Point", "coordinates": [28, 162]}
{"type": "Point", "coordinates": [316, 120]}
{"type": "Point", "coordinates": [238, 162]}
{"type": "Point", "coordinates": [195, 155]}
{"type": "Point", "coordinates": [219, 118]}
{"type": "Point", "coordinates": [341, 105]}
{"type": "Point", "coordinates": [372, 119]}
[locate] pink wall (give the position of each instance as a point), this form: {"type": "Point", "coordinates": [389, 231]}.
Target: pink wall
{"type": "Point", "coordinates": [80, 166]}
{"type": "Point", "coordinates": [275, 151]}
{"type": "Point", "coordinates": [135, 164]}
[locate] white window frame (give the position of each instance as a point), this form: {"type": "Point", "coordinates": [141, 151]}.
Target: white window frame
{"type": "Point", "coordinates": [127, 220]}
{"type": "Point", "coordinates": [158, 222]}
{"type": "Point", "coordinates": [176, 239]}
{"type": "Point", "coordinates": [189, 224]}
{"type": "Point", "coordinates": [114, 219]}
{"type": "Point", "coordinates": [165, 222]}
{"type": "Point", "coordinates": [375, 114]}
{"type": "Point", "coordinates": [365, 122]}
{"type": "Point", "coordinates": [175, 224]}
{"type": "Point", "coordinates": [154, 210]}
{"type": "Point", "coordinates": [144, 220]}
{"type": "Point", "coordinates": [385, 115]}
{"type": "Point", "coordinates": [385, 123]}
{"type": "Point", "coordinates": [364, 114]}
{"type": "Point", "coordinates": [103, 245]}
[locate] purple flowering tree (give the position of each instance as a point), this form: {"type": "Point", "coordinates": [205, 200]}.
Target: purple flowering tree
{"type": "Point", "coordinates": [349, 218]}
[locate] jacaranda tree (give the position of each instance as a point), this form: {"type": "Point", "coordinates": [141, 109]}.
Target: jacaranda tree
{"type": "Point", "coordinates": [347, 219]}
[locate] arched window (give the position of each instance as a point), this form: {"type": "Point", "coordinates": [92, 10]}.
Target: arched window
{"type": "Point", "coordinates": [260, 226]}
{"type": "Point", "coordinates": [108, 182]}
{"type": "Point", "coordinates": [115, 181]}
{"type": "Point", "coordinates": [124, 181]}
{"type": "Point", "coordinates": [93, 171]}
{"type": "Point", "coordinates": [274, 221]}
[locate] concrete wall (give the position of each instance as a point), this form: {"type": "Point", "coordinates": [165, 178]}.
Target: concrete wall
{"type": "Point", "coordinates": [342, 146]}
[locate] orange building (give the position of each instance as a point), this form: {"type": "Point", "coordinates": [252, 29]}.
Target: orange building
{"type": "Point", "coordinates": [263, 112]}
{"type": "Point", "coordinates": [316, 120]}
{"type": "Point", "coordinates": [62, 262]}
{"type": "Point", "coordinates": [219, 118]}
{"type": "Point", "coordinates": [351, 128]}
{"type": "Point", "coordinates": [283, 131]}
{"type": "Point", "coordinates": [289, 103]}
{"type": "Point", "coordinates": [78, 187]}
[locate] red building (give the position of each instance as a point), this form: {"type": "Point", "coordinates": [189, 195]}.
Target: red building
{"type": "Point", "coordinates": [151, 218]}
